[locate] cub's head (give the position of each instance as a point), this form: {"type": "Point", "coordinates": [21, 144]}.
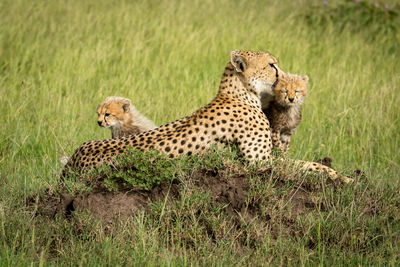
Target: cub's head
{"type": "Point", "coordinates": [291, 89]}
{"type": "Point", "coordinates": [258, 71]}
{"type": "Point", "coordinates": [112, 111]}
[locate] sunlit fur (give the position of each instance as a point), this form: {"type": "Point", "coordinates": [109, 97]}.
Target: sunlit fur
{"type": "Point", "coordinates": [118, 114]}
{"type": "Point", "coordinates": [284, 112]}
{"type": "Point", "coordinates": [291, 90]}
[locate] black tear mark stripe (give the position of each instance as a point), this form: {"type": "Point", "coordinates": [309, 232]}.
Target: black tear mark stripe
{"type": "Point", "coordinates": [276, 75]}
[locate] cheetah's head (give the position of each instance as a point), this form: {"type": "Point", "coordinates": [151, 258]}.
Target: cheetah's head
{"type": "Point", "coordinates": [113, 111]}
{"type": "Point", "coordinates": [258, 71]}
{"type": "Point", "coordinates": [291, 89]}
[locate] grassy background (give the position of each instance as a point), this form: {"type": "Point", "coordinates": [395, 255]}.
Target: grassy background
{"type": "Point", "coordinates": [59, 59]}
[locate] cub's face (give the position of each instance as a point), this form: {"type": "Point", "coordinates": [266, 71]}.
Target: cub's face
{"type": "Point", "coordinates": [258, 70]}
{"type": "Point", "coordinates": [112, 112]}
{"type": "Point", "coordinates": [291, 90]}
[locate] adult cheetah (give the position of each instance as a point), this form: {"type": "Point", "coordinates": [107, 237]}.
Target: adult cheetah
{"type": "Point", "coordinates": [233, 116]}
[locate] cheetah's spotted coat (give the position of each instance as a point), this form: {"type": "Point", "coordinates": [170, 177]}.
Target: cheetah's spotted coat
{"type": "Point", "coordinates": [233, 116]}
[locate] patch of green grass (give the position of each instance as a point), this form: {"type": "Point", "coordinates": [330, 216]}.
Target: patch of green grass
{"type": "Point", "coordinates": [370, 16]}
{"type": "Point", "coordinates": [59, 59]}
{"type": "Point", "coordinates": [136, 169]}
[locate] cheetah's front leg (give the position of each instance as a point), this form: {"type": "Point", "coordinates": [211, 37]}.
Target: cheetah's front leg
{"type": "Point", "coordinates": [318, 167]}
{"type": "Point", "coordinates": [285, 140]}
{"type": "Point", "coordinates": [276, 140]}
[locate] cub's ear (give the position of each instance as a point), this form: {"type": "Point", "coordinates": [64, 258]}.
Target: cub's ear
{"type": "Point", "coordinates": [238, 61]}
{"type": "Point", "coordinates": [305, 78]}
{"type": "Point", "coordinates": [126, 103]}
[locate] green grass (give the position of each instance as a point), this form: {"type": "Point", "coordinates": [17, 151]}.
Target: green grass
{"type": "Point", "coordinates": [59, 59]}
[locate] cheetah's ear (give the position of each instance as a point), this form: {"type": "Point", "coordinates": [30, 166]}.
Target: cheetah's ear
{"type": "Point", "coordinates": [305, 78]}
{"type": "Point", "coordinates": [238, 61]}
{"type": "Point", "coordinates": [126, 103]}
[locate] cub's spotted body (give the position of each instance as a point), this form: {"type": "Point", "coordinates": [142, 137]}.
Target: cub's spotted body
{"type": "Point", "coordinates": [118, 114]}
{"type": "Point", "coordinates": [233, 116]}
{"type": "Point", "coordinates": [284, 112]}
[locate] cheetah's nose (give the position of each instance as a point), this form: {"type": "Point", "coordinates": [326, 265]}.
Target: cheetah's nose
{"type": "Point", "coordinates": [99, 123]}
{"type": "Point", "coordinates": [291, 99]}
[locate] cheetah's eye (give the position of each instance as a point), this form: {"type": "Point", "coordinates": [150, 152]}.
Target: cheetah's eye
{"type": "Point", "coordinates": [296, 91]}
{"type": "Point", "coordinates": [107, 114]}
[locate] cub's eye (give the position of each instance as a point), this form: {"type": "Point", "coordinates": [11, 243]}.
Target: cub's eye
{"type": "Point", "coordinates": [286, 91]}
{"type": "Point", "coordinates": [272, 65]}
{"type": "Point", "coordinates": [107, 114]}
{"type": "Point", "coordinates": [296, 91]}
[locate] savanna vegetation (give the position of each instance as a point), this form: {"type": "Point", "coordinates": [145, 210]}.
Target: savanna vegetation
{"type": "Point", "coordinates": [59, 59]}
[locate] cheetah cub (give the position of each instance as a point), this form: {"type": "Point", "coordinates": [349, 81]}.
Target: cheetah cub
{"type": "Point", "coordinates": [118, 114]}
{"type": "Point", "coordinates": [284, 112]}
